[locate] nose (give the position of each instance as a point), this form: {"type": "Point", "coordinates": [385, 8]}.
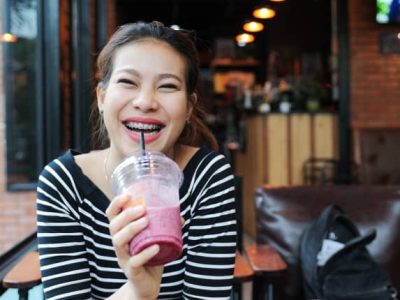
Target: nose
{"type": "Point", "coordinates": [145, 100]}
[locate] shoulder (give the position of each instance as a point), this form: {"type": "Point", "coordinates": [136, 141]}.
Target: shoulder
{"type": "Point", "coordinates": [66, 167]}
{"type": "Point", "coordinates": [58, 178]}
{"type": "Point", "coordinates": [63, 162]}
{"type": "Point", "coordinates": [211, 158]}
{"type": "Point", "coordinates": [208, 164]}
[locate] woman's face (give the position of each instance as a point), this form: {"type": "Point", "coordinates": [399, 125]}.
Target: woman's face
{"type": "Point", "coordinates": [146, 92]}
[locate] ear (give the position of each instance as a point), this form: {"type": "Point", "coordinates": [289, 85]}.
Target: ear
{"type": "Point", "coordinates": [191, 103]}
{"type": "Point", "coordinates": [100, 93]}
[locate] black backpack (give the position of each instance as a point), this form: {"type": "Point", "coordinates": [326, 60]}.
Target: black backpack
{"type": "Point", "coordinates": [336, 264]}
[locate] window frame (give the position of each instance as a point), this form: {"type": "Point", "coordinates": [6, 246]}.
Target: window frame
{"type": "Point", "coordinates": [47, 98]}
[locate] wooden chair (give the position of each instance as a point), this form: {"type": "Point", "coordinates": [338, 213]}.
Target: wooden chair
{"type": "Point", "coordinates": [254, 262]}
{"type": "Point", "coordinates": [242, 273]}
{"type": "Point", "coordinates": [267, 266]}
{"type": "Point", "coordinates": [24, 275]}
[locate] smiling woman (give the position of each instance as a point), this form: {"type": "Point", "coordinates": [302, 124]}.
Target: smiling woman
{"type": "Point", "coordinates": [148, 76]}
{"type": "Point", "coordinates": [137, 96]}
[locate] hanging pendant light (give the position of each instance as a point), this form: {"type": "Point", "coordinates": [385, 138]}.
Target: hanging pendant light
{"type": "Point", "coordinates": [264, 12]}
{"type": "Point", "coordinates": [244, 38]}
{"type": "Point", "coordinates": [253, 26]}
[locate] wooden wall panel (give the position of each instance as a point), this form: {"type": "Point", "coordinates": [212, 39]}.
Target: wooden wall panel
{"type": "Point", "coordinates": [250, 165]}
{"type": "Point", "coordinates": [300, 146]}
{"type": "Point", "coordinates": [277, 149]}
{"type": "Point", "coordinates": [325, 136]}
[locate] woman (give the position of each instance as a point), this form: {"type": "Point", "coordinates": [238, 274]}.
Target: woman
{"type": "Point", "coordinates": [148, 73]}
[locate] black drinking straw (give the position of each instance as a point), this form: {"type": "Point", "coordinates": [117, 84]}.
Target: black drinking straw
{"type": "Point", "coordinates": [142, 145]}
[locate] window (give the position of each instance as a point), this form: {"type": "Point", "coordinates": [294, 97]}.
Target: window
{"type": "Point", "coordinates": [20, 82]}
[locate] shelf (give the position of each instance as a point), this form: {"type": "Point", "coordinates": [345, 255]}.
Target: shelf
{"type": "Point", "coordinates": [234, 63]}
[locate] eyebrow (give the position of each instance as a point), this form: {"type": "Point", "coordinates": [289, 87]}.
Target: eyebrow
{"type": "Point", "coordinates": [136, 73]}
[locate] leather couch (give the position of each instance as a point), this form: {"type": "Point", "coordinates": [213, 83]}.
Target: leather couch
{"type": "Point", "coordinates": [282, 214]}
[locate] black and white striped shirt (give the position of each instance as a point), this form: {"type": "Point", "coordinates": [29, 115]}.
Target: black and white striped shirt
{"type": "Point", "coordinates": [76, 254]}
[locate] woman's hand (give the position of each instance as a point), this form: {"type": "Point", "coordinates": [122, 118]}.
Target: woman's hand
{"type": "Point", "coordinates": [127, 221]}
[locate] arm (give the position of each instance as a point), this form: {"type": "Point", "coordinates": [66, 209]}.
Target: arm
{"type": "Point", "coordinates": [64, 266]}
{"type": "Point", "coordinates": [212, 233]}
{"type": "Point", "coordinates": [65, 261]}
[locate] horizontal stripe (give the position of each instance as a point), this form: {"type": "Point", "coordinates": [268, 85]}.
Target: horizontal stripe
{"type": "Point", "coordinates": [63, 296]}
{"type": "Point", "coordinates": [64, 284]}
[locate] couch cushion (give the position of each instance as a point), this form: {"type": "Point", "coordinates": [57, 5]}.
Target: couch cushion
{"type": "Point", "coordinates": [282, 213]}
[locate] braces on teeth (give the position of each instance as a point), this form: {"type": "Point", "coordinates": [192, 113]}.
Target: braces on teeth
{"type": "Point", "coordinates": [142, 126]}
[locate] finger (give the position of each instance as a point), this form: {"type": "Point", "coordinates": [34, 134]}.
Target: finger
{"type": "Point", "coordinates": [138, 260]}
{"type": "Point", "coordinates": [116, 206]}
{"type": "Point", "coordinates": [125, 217]}
{"type": "Point", "coordinates": [127, 233]}
{"type": "Point", "coordinates": [182, 221]}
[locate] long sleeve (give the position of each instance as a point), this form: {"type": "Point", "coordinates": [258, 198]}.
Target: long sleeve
{"type": "Point", "coordinates": [212, 232]}
{"type": "Point", "coordinates": [64, 264]}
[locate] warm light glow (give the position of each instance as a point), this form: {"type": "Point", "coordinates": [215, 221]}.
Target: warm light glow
{"type": "Point", "coordinates": [8, 38]}
{"type": "Point", "coordinates": [245, 38]}
{"type": "Point", "coordinates": [398, 35]}
{"type": "Point", "coordinates": [253, 26]}
{"type": "Point", "coordinates": [264, 12]}
{"type": "Point", "coordinates": [277, 0]}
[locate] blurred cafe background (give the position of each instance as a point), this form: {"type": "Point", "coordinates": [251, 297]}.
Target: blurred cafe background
{"type": "Point", "coordinates": [311, 97]}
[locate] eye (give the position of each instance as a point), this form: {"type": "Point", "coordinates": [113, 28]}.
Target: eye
{"type": "Point", "coordinates": [168, 87]}
{"type": "Point", "coordinates": [126, 81]}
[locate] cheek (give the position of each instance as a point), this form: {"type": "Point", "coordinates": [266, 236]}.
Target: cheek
{"type": "Point", "coordinates": [114, 100]}
{"type": "Point", "coordinates": [177, 112]}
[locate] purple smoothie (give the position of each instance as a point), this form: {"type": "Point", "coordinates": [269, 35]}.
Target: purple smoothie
{"type": "Point", "coordinates": [164, 229]}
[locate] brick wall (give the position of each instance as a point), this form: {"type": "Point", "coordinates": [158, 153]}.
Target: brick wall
{"type": "Point", "coordinates": [374, 77]}
{"type": "Point", "coordinates": [17, 209]}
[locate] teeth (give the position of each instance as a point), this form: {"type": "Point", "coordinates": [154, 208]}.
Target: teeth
{"type": "Point", "coordinates": [142, 126]}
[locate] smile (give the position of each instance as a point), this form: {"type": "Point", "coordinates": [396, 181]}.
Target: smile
{"type": "Point", "coordinates": [146, 128]}
{"type": "Point", "coordinates": [150, 127]}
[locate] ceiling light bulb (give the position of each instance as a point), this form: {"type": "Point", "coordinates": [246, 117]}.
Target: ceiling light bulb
{"type": "Point", "coordinates": [253, 26]}
{"type": "Point", "coordinates": [264, 12]}
{"type": "Point", "coordinates": [245, 38]}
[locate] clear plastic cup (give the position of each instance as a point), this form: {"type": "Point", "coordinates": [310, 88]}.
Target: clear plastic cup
{"type": "Point", "coordinates": [153, 179]}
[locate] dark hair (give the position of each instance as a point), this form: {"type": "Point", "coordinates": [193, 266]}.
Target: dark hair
{"type": "Point", "coordinates": [196, 132]}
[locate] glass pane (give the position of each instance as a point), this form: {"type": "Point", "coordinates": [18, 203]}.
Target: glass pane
{"type": "Point", "coordinates": [20, 78]}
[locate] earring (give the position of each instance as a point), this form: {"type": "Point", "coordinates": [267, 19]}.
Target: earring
{"type": "Point", "coordinates": [188, 121]}
{"type": "Point", "coordinates": [101, 112]}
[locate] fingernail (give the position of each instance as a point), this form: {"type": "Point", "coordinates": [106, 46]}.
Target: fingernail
{"type": "Point", "coordinates": [140, 208]}
{"type": "Point", "coordinates": [136, 209]}
{"type": "Point", "coordinates": [155, 248]}
{"type": "Point", "coordinates": [143, 220]}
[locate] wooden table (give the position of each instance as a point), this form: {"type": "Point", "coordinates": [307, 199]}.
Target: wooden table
{"type": "Point", "coordinates": [24, 275]}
